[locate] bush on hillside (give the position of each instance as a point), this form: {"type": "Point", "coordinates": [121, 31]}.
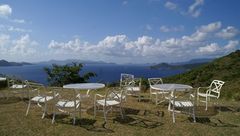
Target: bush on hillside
{"type": "Point", "coordinates": [59, 75]}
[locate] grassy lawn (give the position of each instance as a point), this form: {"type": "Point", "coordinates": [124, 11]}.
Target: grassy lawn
{"type": "Point", "coordinates": [141, 118]}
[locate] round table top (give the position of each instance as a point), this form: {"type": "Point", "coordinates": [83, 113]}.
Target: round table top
{"type": "Point", "coordinates": [171, 87]}
{"type": "Point", "coordinates": [3, 78]}
{"type": "Point", "coordinates": [84, 86]}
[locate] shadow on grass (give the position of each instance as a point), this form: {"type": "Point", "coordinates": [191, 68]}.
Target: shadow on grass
{"type": "Point", "coordinates": [226, 109]}
{"type": "Point", "coordinates": [138, 122]}
{"type": "Point", "coordinates": [218, 123]}
{"type": "Point", "coordinates": [10, 100]}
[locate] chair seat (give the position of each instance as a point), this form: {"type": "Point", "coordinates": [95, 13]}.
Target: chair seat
{"type": "Point", "coordinates": [16, 86]}
{"type": "Point", "coordinates": [206, 95]}
{"type": "Point", "coordinates": [67, 104]}
{"type": "Point", "coordinates": [41, 99]}
{"type": "Point", "coordinates": [108, 102]}
{"type": "Point", "coordinates": [182, 103]}
{"type": "Point", "coordinates": [135, 89]}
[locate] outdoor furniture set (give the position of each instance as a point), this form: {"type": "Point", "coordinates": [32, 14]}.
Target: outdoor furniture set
{"type": "Point", "coordinates": [181, 98]}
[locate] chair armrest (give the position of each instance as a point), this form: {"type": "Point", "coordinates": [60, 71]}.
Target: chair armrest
{"type": "Point", "coordinates": [202, 88]}
{"type": "Point", "coordinates": [98, 95]}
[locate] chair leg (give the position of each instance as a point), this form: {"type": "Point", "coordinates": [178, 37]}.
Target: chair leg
{"type": "Point", "coordinates": [121, 112]}
{"type": "Point", "coordinates": [206, 104]}
{"type": "Point", "coordinates": [194, 117]}
{"type": "Point", "coordinates": [173, 115]}
{"type": "Point", "coordinates": [80, 111]}
{"type": "Point", "coordinates": [156, 101]}
{"type": "Point", "coordinates": [29, 104]}
{"type": "Point", "coordinates": [105, 113]}
{"type": "Point", "coordinates": [54, 114]}
{"type": "Point", "coordinates": [95, 108]}
{"type": "Point", "coordinates": [45, 110]}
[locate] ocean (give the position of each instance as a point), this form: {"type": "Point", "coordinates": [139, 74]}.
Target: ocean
{"type": "Point", "coordinates": [106, 73]}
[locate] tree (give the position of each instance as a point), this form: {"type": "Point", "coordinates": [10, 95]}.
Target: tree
{"type": "Point", "coordinates": [59, 75]}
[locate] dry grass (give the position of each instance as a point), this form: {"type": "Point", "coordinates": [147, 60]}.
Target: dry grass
{"type": "Point", "coordinates": [141, 118]}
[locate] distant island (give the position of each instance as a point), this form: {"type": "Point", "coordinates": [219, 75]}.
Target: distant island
{"type": "Point", "coordinates": [4, 63]}
{"type": "Point", "coordinates": [182, 65]}
{"type": "Point", "coordinates": [68, 61]}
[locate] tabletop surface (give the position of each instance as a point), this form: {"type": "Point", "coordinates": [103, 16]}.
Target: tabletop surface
{"type": "Point", "coordinates": [170, 87]}
{"type": "Point", "coordinates": [84, 86]}
{"type": "Point", "coordinates": [3, 78]}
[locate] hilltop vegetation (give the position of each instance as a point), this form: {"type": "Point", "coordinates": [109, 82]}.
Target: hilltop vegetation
{"type": "Point", "coordinates": [226, 68]}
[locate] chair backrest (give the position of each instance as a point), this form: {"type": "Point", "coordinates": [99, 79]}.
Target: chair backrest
{"type": "Point", "coordinates": [126, 79]}
{"type": "Point", "coordinates": [215, 87]}
{"type": "Point", "coordinates": [34, 89]}
{"type": "Point", "coordinates": [60, 93]}
{"type": "Point", "coordinates": [117, 94]}
{"type": "Point", "coordinates": [154, 81]}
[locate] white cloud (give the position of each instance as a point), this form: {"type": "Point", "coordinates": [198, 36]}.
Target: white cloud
{"type": "Point", "coordinates": [211, 27]}
{"type": "Point", "coordinates": [20, 21]}
{"type": "Point", "coordinates": [231, 46]}
{"type": "Point", "coordinates": [15, 29]}
{"type": "Point", "coordinates": [148, 27]}
{"type": "Point", "coordinates": [228, 32]}
{"type": "Point", "coordinates": [125, 2]}
{"type": "Point", "coordinates": [4, 39]}
{"type": "Point", "coordinates": [23, 46]}
{"type": "Point", "coordinates": [164, 28]}
{"type": "Point", "coordinates": [194, 10]}
{"type": "Point", "coordinates": [148, 49]}
{"type": "Point", "coordinates": [211, 48]}
{"type": "Point", "coordinates": [170, 5]}
{"type": "Point", "coordinates": [5, 10]}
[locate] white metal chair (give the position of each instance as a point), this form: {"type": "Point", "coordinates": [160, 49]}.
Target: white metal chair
{"type": "Point", "coordinates": [37, 94]}
{"type": "Point", "coordinates": [67, 101]}
{"type": "Point", "coordinates": [183, 102]}
{"type": "Point", "coordinates": [134, 88]}
{"type": "Point", "coordinates": [108, 102]}
{"type": "Point", "coordinates": [131, 85]}
{"type": "Point", "coordinates": [212, 91]}
{"type": "Point", "coordinates": [17, 87]}
{"type": "Point", "coordinates": [155, 81]}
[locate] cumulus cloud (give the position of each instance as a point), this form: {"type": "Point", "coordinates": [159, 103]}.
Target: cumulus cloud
{"type": "Point", "coordinates": [194, 10]}
{"type": "Point", "coordinates": [149, 49]}
{"type": "Point", "coordinates": [170, 5]}
{"type": "Point", "coordinates": [23, 46]}
{"type": "Point", "coordinates": [231, 46]}
{"type": "Point", "coordinates": [5, 10]}
{"type": "Point", "coordinates": [4, 39]}
{"type": "Point", "coordinates": [164, 28]}
{"type": "Point", "coordinates": [228, 32]}
{"type": "Point", "coordinates": [211, 48]}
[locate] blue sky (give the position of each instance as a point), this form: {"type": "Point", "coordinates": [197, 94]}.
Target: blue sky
{"type": "Point", "coordinates": [120, 31]}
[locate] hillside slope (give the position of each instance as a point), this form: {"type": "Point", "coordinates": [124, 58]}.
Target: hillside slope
{"type": "Point", "coordinates": [226, 68]}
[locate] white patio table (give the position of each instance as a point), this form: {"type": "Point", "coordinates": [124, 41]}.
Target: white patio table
{"type": "Point", "coordinates": [84, 86]}
{"type": "Point", "coordinates": [3, 78]}
{"type": "Point", "coordinates": [171, 88]}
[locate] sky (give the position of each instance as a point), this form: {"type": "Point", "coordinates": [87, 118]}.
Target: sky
{"type": "Point", "coordinates": [119, 31]}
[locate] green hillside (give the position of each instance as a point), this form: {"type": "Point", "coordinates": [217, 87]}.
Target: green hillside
{"type": "Point", "coordinates": [226, 68]}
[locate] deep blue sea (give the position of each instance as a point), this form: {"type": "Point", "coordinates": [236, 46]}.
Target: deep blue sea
{"type": "Point", "coordinates": [106, 73]}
